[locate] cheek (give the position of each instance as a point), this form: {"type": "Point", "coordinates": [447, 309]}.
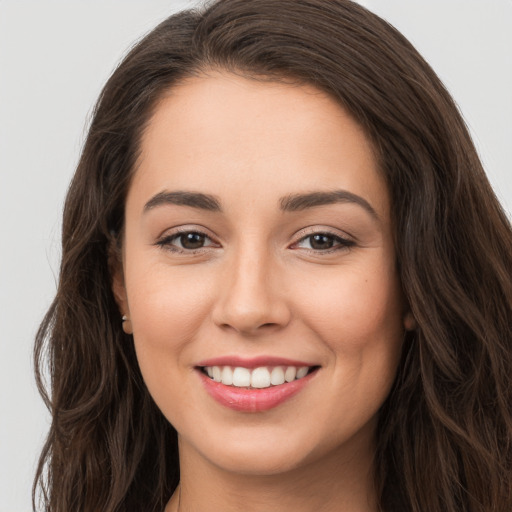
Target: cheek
{"type": "Point", "coordinates": [167, 310]}
{"type": "Point", "coordinates": [167, 307]}
{"type": "Point", "coordinates": [357, 317]}
{"type": "Point", "coordinates": [355, 310]}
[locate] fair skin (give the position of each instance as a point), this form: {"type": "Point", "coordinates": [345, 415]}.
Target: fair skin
{"type": "Point", "coordinates": [251, 280]}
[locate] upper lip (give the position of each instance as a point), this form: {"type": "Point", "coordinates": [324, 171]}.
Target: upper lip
{"type": "Point", "coordinates": [253, 362]}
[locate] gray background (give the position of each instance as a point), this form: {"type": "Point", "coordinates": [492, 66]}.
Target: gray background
{"type": "Point", "coordinates": [55, 57]}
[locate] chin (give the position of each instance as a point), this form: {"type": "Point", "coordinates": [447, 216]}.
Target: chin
{"type": "Point", "coordinates": [257, 462]}
{"type": "Point", "coordinates": [251, 451]}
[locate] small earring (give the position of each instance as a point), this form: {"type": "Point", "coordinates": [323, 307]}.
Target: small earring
{"type": "Point", "coordinates": [127, 325]}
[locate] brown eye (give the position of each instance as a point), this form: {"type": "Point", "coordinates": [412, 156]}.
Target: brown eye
{"type": "Point", "coordinates": [186, 241]}
{"type": "Point", "coordinates": [192, 240]}
{"type": "Point", "coordinates": [324, 242]}
{"type": "Point", "coordinates": [321, 242]}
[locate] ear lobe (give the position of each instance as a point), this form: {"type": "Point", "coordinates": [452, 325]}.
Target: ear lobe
{"type": "Point", "coordinates": [410, 323]}
{"type": "Point", "coordinates": [119, 289]}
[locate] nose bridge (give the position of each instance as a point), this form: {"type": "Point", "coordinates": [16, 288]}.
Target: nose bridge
{"type": "Point", "coordinates": [250, 297]}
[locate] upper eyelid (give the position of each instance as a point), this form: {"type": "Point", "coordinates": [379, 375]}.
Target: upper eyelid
{"type": "Point", "coordinates": [322, 230]}
{"type": "Point", "coordinates": [179, 230]}
{"type": "Point", "coordinates": [297, 237]}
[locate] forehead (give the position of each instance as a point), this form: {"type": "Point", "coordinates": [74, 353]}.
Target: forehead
{"type": "Point", "coordinates": [222, 134]}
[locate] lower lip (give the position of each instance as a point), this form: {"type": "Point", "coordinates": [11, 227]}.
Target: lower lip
{"type": "Point", "coordinates": [253, 400]}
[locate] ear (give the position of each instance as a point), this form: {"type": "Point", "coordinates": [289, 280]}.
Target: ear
{"type": "Point", "coordinates": [409, 321]}
{"type": "Point", "coordinates": [118, 287]}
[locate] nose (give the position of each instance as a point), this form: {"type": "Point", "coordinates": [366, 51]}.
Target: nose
{"type": "Point", "coordinates": [251, 297]}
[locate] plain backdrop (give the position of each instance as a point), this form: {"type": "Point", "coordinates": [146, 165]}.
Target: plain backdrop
{"type": "Point", "coordinates": [55, 57]}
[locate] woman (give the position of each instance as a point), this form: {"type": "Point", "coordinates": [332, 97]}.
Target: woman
{"type": "Point", "coordinates": [285, 279]}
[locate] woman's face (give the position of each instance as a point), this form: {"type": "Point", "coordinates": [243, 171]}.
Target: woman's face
{"type": "Point", "coordinates": [258, 235]}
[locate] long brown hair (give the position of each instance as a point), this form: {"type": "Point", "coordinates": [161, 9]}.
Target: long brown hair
{"type": "Point", "coordinates": [445, 432]}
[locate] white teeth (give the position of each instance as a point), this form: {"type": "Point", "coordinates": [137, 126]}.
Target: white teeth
{"type": "Point", "coordinates": [241, 377]}
{"type": "Point", "coordinates": [259, 378]}
{"type": "Point", "coordinates": [277, 376]}
{"type": "Point", "coordinates": [290, 373]}
{"type": "Point", "coordinates": [227, 376]}
{"type": "Point", "coordinates": [302, 372]}
{"type": "Point", "coordinates": [217, 374]}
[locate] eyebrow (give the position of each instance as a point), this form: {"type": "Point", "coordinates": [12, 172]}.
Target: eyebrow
{"type": "Point", "coordinates": [299, 202]}
{"type": "Point", "coordinates": [181, 198]}
{"type": "Point", "coordinates": [290, 203]}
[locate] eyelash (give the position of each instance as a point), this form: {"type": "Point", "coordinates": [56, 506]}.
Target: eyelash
{"type": "Point", "coordinates": [167, 242]}
{"type": "Point", "coordinates": [341, 243]}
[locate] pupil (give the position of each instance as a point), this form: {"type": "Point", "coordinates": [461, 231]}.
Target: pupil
{"type": "Point", "coordinates": [321, 242]}
{"type": "Point", "coordinates": [192, 240]}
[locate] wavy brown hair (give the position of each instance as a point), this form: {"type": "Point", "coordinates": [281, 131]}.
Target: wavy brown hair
{"type": "Point", "coordinates": [445, 432]}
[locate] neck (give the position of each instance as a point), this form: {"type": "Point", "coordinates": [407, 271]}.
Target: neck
{"type": "Point", "coordinates": [338, 481]}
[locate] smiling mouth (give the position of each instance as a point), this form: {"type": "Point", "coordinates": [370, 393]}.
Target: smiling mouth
{"type": "Point", "coordinates": [256, 378]}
